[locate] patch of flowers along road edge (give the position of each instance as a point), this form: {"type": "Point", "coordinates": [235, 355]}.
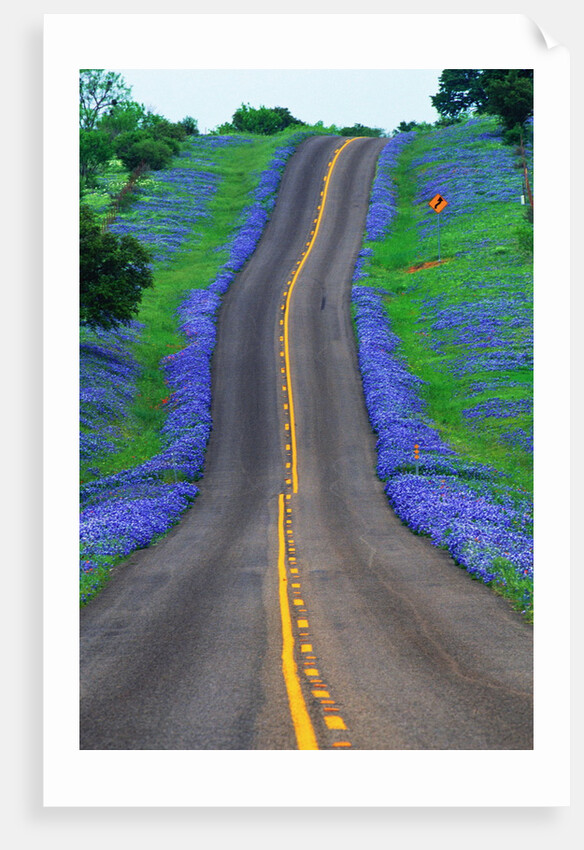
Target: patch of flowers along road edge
{"type": "Point", "coordinates": [127, 511]}
{"type": "Point", "coordinates": [165, 209]}
{"type": "Point", "coordinates": [462, 507]}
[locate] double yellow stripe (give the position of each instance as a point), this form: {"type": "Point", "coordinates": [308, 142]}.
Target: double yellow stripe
{"type": "Point", "coordinates": [305, 735]}
{"type": "Point", "coordinates": [287, 312]}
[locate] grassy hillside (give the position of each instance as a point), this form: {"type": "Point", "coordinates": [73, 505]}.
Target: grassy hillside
{"type": "Point", "coordinates": [445, 347]}
{"type": "Point", "coordinates": [145, 390]}
{"type": "Point", "coordinates": [459, 349]}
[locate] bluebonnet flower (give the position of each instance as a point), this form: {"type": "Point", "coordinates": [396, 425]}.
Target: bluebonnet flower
{"type": "Point", "coordinates": [127, 510]}
{"type": "Point", "coordinates": [462, 506]}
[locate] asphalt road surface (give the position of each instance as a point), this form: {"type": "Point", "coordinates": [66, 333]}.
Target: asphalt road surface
{"type": "Point", "coordinates": [290, 608]}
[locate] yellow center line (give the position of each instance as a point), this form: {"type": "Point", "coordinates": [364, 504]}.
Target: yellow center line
{"type": "Point", "coordinates": [305, 736]}
{"type": "Point", "coordinates": [300, 264]}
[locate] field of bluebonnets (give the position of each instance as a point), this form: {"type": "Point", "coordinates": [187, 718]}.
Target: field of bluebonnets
{"type": "Point", "coordinates": [131, 493]}
{"type": "Point", "coordinates": [446, 349]}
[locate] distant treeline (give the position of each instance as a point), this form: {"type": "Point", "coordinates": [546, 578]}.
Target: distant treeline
{"type": "Point", "coordinates": [113, 125]}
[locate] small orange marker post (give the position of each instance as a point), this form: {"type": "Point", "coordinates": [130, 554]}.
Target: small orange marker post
{"type": "Point", "coordinates": [417, 457]}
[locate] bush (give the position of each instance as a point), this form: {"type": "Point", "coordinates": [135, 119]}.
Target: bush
{"type": "Point", "coordinates": [156, 154]}
{"type": "Point", "coordinates": [112, 271]}
{"type": "Point", "coordinates": [190, 126]}
{"type": "Point", "coordinates": [361, 130]}
{"type": "Point", "coordinates": [264, 121]}
{"type": "Point", "coordinates": [95, 151]}
{"type": "Point", "coordinates": [139, 147]}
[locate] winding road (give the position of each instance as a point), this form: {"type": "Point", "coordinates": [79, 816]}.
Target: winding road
{"type": "Point", "coordinates": [290, 608]}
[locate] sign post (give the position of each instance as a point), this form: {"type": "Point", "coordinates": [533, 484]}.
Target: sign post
{"type": "Point", "coordinates": [438, 203]}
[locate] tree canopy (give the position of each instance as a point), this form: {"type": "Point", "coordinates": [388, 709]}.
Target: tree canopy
{"type": "Point", "coordinates": [264, 120]}
{"type": "Point", "coordinates": [99, 92]}
{"type": "Point", "coordinates": [506, 93]}
{"type": "Point", "coordinates": [361, 130]}
{"type": "Point", "coordinates": [113, 273]}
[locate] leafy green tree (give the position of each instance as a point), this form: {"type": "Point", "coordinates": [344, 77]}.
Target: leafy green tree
{"type": "Point", "coordinates": [506, 93]}
{"type": "Point", "coordinates": [224, 129]}
{"type": "Point", "coordinates": [123, 118]}
{"type": "Point", "coordinates": [418, 126]}
{"type": "Point", "coordinates": [113, 272]}
{"type": "Point", "coordinates": [361, 130]}
{"type": "Point", "coordinates": [95, 151]}
{"type": "Point", "coordinates": [510, 97]}
{"type": "Point", "coordinates": [263, 121]}
{"type": "Point", "coordinates": [162, 129]}
{"type": "Point", "coordinates": [459, 91]}
{"type": "Point", "coordinates": [190, 126]}
{"type": "Point", "coordinates": [138, 146]}
{"type": "Point", "coordinates": [99, 92]}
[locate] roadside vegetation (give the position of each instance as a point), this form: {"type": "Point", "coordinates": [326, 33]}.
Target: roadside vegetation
{"type": "Point", "coordinates": [168, 217]}
{"type": "Point", "coordinates": [448, 378]}
{"type": "Point", "coordinates": [145, 384]}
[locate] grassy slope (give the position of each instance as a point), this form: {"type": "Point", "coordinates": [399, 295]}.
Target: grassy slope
{"type": "Point", "coordinates": [194, 266]}
{"type": "Point", "coordinates": [488, 263]}
{"type": "Point", "coordinates": [485, 247]}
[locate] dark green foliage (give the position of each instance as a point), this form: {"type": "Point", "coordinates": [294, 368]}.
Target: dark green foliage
{"type": "Point", "coordinates": [459, 91]}
{"type": "Point", "coordinates": [406, 126]}
{"type": "Point", "coordinates": [506, 93]}
{"type": "Point", "coordinates": [112, 274]}
{"type": "Point", "coordinates": [163, 130]}
{"type": "Point", "coordinates": [418, 126]}
{"type": "Point", "coordinates": [139, 147]}
{"type": "Point", "coordinates": [99, 92]}
{"type": "Point", "coordinates": [510, 97]}
{"type": "Point", "coordinates": [263, 121]}
{"type": "Point", "coordinates": [153, 144]}
{"type": "Point", "coordinates": [123, 118]}
{"type": "Point", "coordinates": [190, 126]}
{"type": "Point", "coordinates": [361, 130]}
{"type": "Point", "coordinates": [95, 151]}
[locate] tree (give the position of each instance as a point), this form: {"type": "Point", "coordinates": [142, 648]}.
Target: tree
{"type": "Point", "coordinates": [360, 130]}
{"type": "Point", "coordinates": [161, 128]}
{"type": "Point", "coordinates": [122, 118]}
{"type": "Point", "coordinates": [99, 92]}
{"type": "Point", "coordinates": [418, 126]}
{"type": "Point", "coordinates": [190, 126]}
{"type": "Point", "coordinates": [510, 97]}
{"type": "Point", "coordinates": [506, 93]}
{"type": "Point", "coordinates": [95, 151]}
{"type": "Point", "coordinates": [459, 91]}
{"type": "Point", "coordinates": [139, 147]}
{"type": "Point", "coordinates": [264, 121]}
{"type": "Point", "coordinates": [113, 272]}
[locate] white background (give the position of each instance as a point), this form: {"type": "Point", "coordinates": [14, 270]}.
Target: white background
{"type": "Point", "coordinates": [410, 799]}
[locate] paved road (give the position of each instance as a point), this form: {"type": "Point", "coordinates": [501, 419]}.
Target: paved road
{"type": "Point", "coordinates": [290, 608]}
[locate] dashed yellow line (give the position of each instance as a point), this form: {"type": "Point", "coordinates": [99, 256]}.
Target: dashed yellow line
{"type": "Point", "coordinates": [305, 736]}
{"type": "Point", "coordinates": [300, 264]}
{"type": "Point", "coordinates": [290, 592]}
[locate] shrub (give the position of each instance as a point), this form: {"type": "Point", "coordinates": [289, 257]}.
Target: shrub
{"type": "Point", "coordinates": [95, 151]}
{"type": "Point", "coordinates": [113, 272]}
{"type": "Point", "coordinates": [139, 147]}
{"type": "Point", "coordinates": [361, 130]}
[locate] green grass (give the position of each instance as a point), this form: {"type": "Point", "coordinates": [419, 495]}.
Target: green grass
{"type": "Point", "coordinates": [195, 266]}
{"type": "Point", "coordinates": [484, 252]}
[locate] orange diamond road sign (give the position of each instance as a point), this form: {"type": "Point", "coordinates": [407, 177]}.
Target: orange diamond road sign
{"type": "Point", "coordinates": [438, 203]}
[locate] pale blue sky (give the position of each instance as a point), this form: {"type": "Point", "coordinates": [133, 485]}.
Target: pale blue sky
{"type": "Point", "coordinates": [376, 98]}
